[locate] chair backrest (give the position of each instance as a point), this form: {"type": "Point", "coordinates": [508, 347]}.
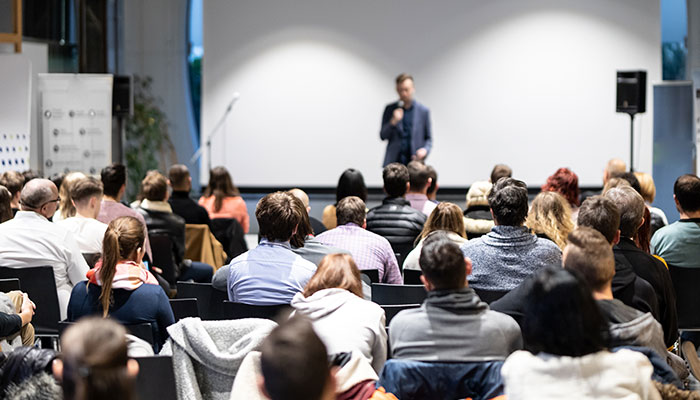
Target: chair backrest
{"type": "Point", "coordinates": [412, 277]}
{"type": "Point", "coordinates": [489, 296]}
{"type": "Point", "coordinates": [230, 234]}
{"type": "Point", "coordinates": [391, 310]}
{"type": "Point", "coordinates": [686, 282]}
{"type": "Point", "coordinates": [234, 310]}
{"type": "Point", "coordinates": [184, 308]}
{"type": "Point", "coordinates": [401, 251]}
{"type": "Point", "coordinates": [142, 331]}
{"type": "Point", "coordinates": [386, 294]}
{"type": "Point", "coordinates": [40, 285]}
{"type": "Point", "coordinates": [210, 302]}
{"type": "Point", "coordinates": [9, 284]}
{"type": "Point", "coordinates": [91, 258]}
{"type": "Point", "coordinates": [163, 255]}
{"type": "Point", "coordinates": [372, 274]}
{"type": "Point", "coordinates": [156, 378]}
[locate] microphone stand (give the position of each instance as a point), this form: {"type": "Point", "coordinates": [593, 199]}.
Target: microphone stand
{"type": "Point", "coordinates": [212, 134]}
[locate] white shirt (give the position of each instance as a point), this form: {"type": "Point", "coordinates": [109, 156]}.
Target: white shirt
{"type": "Point", "coordinates": [30, 240]}
{"type": "Point", "coordinates": [88, 232]}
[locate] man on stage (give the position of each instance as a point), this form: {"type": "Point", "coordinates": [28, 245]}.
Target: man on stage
{"type": "Point", "coordinates": [406, 124]}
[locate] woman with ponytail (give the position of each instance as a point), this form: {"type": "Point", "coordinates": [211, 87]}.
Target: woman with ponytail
{"type": "Point", "coordinates": [120, 286]}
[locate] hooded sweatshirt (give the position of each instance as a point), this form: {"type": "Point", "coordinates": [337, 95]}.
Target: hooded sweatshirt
{"type": "Point", "coordinates": [345, 322]}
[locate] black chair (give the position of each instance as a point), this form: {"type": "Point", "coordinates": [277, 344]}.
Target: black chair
{"type": "Point", "coordinates": [366, 279]}
{"type": "Point", "coordinates": [8, 285]}
{"type": "Point", "coordinates": [234, 310]}
{"type": "Point", "coordinates": [489, 296]}
{"type": "Point", "coordinates": [392, 310]}
{"type": "Point", "coordinates": [401, 251]}
{"type": "Point", "coordinates": [92, 258]}
{"type": "Point", "coordinates": [686, 282]}
{"type": "Point", "coordinates": [412, 277]}
{"type": "Point", "coordinates": [142, 331]}
{"type": "Point", "coordinates": [210, 302]}
{"type": "Point", "coordinates": [156, 378]}
{"type": "Point", "coordinates": [163, 251]}
{"type": "Point", "coordinates": [386, 294]}
{"type": "Point", "coordinates": [372, 274]}
{"type": "Point", "coordinates": [40, 285]}
{"type": "Point", "coordinates": [184, 308]}
{"type": "Point", "coordinates": [230, 234]}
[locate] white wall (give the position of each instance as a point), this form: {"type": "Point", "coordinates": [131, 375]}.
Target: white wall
{"type": "Point", "coordinates": [531, 84]}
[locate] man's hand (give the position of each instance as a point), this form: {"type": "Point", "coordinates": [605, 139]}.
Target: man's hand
{"type": "Point", "coordinates": [27, 305]}
{"type": "Point", "coordinates": [420, 154]}
{"type": "Point", "coordinates": [397, 116]}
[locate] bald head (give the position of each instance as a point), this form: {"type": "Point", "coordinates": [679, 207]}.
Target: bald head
{"type": "Point", "coordinates": [614, 167]}
{"type": "Point", "coordinates": [301, 195]}
{"type": "Point", "coordinates": [37, 194]}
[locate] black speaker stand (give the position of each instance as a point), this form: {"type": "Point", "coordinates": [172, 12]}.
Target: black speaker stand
{"type": "Point", "coordinates": [631, 141]}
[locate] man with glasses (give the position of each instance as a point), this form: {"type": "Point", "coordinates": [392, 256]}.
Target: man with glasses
{"type": "Point", "coordinates": [31, 240]}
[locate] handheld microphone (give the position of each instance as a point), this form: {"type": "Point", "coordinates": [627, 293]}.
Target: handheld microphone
{"type": "Point", "coordinates": [400, 104]}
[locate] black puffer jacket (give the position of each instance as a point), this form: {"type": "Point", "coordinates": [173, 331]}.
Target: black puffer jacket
{"type": "Point", "coordinates": [23, 363]}
{"type": "Point", "coordinates": [398, 222]}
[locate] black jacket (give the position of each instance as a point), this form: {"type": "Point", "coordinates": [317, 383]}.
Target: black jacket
{"type": "Point", "coordinates": [173, 225]}
{"type": "Point", "coordinates": [188, 209]}
{"type": "Point", "coordinates": [398, 222]}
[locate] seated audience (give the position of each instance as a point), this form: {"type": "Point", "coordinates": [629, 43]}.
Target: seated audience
{"type": "Point", "coordinates": [433, 188]}
{"type": "Point", "coordinates": [565, 182]}
{"type": "Point", "coordinates": [180, 201]}
{"type": "Point", "coordinates": [344, 321]}
{"type": "Point", "coordinates": [6, 211]}
{"type": "Point", "coordinates": [223, 200]}
{"type": "Point", "coordinates": [94, 362]}
{"type": "Point", "coordinates": [500, 171]}
{"type": "Point", "coordinates": [369, 250]}
{"type": "Point", "coordinates": [114, 186]}
{"type": "Point", "coordinates": [351, 183]}
{"type": "Point", "coordinates": [652, 270]}
{"type": "Point", "coordinates": [508, 254]}
{"type": "Point", "coordinates": [316, 225]}
{"type": "Point", "coordinates": [395, 219]}
{"type": "Point", "coordinates": [26, 373]}
{"type": "Point", "coordinates": [477, 217]}
{"type": "Point", "coordinates": [447, 218]}
{"type": "Point", "coordinates": [66, 209]}
{"type": "Point", "coordinates": [567, 358]}
{"type": "Point", "coordinates": [271, 273]}
{"type": "Point", "coordinates": [13, 181]}
{"type": "Point", "coordinates": [16, 312]}
{"type": "Point", "coordinates": [31, 240]}
{"type": "Point", "coordinates": [614, 167]}
{"type": "Point", "coordinates": [452, 324]}
{"type": "Point", "coordinates": [86, 195]}
{"type": "Point", "coordinates": [120, 286]}
{"type": "Point", "coordinates": [160, 219]}
{"type": "Point", "coordinates": [420, 181]}
{"type": "Point", "coordinates": [550, 218]}
{"type": "Point", "coordinates": [658, 217]}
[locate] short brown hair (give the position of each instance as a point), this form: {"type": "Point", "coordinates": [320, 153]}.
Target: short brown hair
{"type": "Point", "coordinates": [13, 181]}
{"type": "Point", "coordinates": [335, 271]}
{"type": "Point", "coordinates": [631, 206]}
{"type": "Point", "coordinates": [304, 228]}
{"type": "Point", "coordinates": [85, 188]}
{"type": "Point", "coordinates": [178, 175]}
{"type": "Point", "coordinates": [402, 77]}
{"type": "Point", "coordinates": [395, 176]}
{"type": "Point", "coordinates": [591, 255]}
{"type": "Point", "coordinates": [687, 192]}
{"type": "Point", "coordinates": [601, 214]}
{"type": "Point", "coordinates": [277, 217]}
{"type": "Point", "coordinates": [154, 186]}
{"type": "Point", "coordinates": [500, 171]}
{"type": "Point", "coordinates": [418, 175]}
{"type": "Point", "coordinates": [351, 209]}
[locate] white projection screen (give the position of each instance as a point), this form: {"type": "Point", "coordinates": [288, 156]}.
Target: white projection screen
{"type": "Point", "coordinates": [527, 83]}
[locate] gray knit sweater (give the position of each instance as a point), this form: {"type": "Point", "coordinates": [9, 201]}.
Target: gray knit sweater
{"type": "Point", "coordinates": [507, 255]}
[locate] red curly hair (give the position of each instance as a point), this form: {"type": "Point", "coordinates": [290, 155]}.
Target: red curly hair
{"type": "Point", "coordinates": [564, 182]}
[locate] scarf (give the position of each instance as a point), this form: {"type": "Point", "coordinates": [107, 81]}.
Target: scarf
{"type": "Point", "coordinates": [128, 275]}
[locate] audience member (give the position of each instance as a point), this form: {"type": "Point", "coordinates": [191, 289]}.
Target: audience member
{"type": "Point", "coordinates": [567, 358]}
{"type": "Point", "coordinates": [120, 286]}
{"type": "Point", "coordinates": [452, 324]}
{"type": "Point", "coordinates": [344, 321]}
{"type": "Point", "coordinates": [658, 217]}
{"type": "Point", "coordinates": [94, 362]}
{"type": "Point", "coordinates": [447, 218]}
{"type": "Point", "coordinates": [316, 225]}
{"type": "Point", "coordinates": [160, 219]}
{"type": "Point", "coordinates": [508, 254]}
{"type": "Point", "coordinates": [550, 218]}
{"type": "Point", "coordinates": [652, 270]}
{"type": "Point", "coordinates": [223, 200]}
{"type": "Point", "coordinates": [13, 181]}
{"type": "Point", "coordinates": [565, 182]}
{"type": "Point", "coordinates": [271, 273]}
{"type": "Point", "coordinates": [369, 250]}
{"type": "Point", "coordinates": [631, 178]}
{"type": "Point", "coordinates": [351, 183]}
{"type": "Point", "coordinates": [395, 219]}
{"type": "Point", "coordinates": [114, 186]}
{"type": "Point", "coordinates": [500, 171]}
{"type": "Point", "coordinates": [86, 195]}
{"type": "Point", "coordinates": [477, 216]}
{"type": "Point", "coordinates": [6, 210]}
{"type": "Point", "coordinates": [614, 167]}
{"type": "Point", "coordinates": [15, 318]}
{"type": "Point", "coordinates": [66, 209]}
{"type": "Point", "coordinates": [615, 182]}
{"type": "Point", "coordinates": [180, 201]}
{"type": "Point", "coordinates": [419, 182]}
{"type": "Point", "coordinates": [30, 240]}
{"type": "Point", "coordinates": [433, 188]}
{"type": "Point", "coordinates": [29, 175]}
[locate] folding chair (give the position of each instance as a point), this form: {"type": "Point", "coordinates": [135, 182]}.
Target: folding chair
{"type": "Point", "coordinates": [40, 285]}
{"type": "Point", "coordinates": [386, 294]}
{"type": "Point", "coordinates": [8, 285]}
{"type": "Point", "coordinates": [412, 277]}
{"type": "Point", "coordinates": [372, 274]}
{"type": "Point", "coordinates": [209, 300]}
{"type": "Point", "coordinates": [686, 282]}
{"type": "Point", "coordinates": [184, 308]}
{"type": "Point", "coordinates": [156, 378]}
{"type": "Point", "coordinates": [391, 310]}
{"type": "Point", "coordinates": [234, 310]}
{"type": "Point", "coordinates": [163, 255]}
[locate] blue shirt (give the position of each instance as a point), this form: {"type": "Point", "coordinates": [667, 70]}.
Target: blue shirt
{"type": "Point", "coordinates": [268, 274]}
{"type": "Point", "coordinates": [679, 243]}
{"type": "Point", "coordinates": [406, 135]}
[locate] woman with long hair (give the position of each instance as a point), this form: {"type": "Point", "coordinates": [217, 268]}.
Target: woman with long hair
{"type": "Point", "coordinates": [341, 317]}
{"type": "Point", "coordinates": [120, 286]}
{"type": "Point", "coordinates": [445, 217]}
{"type": "Point", "coordinates": [223, 200]}
{"type": "Point", "coordinates": [351, 183]}
{"type": "Point", "coordinates": [550, 218]}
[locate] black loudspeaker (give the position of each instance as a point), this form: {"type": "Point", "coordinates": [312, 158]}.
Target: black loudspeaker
{"type": "Point", "coordinates": [631, 92]}
{"type": "Point", "coordinates": [122, 96]}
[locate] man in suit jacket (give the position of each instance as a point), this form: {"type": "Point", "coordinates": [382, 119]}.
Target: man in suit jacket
{"type": "Point", "coordinates": [406, 125]}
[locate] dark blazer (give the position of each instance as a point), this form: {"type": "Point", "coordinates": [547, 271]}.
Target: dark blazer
{"type": "Point", "coordinates": [421, 137]}
{"type": "Point", "coordinates": [188, 209]}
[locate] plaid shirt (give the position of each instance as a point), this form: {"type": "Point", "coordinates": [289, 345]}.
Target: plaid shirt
{"type": "Point", "coordinates": [369, 250]}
